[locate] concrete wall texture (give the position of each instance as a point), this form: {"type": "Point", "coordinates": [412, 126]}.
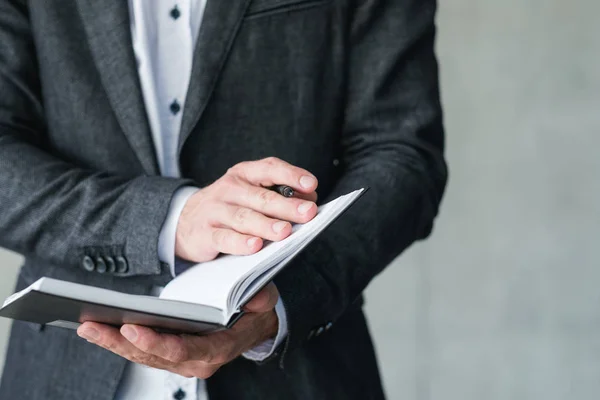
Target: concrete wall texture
{"type": "Point", "coordinates": [502, 302]}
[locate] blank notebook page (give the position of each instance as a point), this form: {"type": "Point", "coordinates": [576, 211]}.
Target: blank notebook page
{"type": "Point", "coordinates": [210, 283]}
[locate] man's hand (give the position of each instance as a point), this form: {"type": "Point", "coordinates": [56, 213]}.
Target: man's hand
{"type": "Point", "coordinates": [236, 212]}
{"type": "Point", "coordinates": [188, 355]}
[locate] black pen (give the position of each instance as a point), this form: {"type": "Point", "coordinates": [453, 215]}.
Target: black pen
{"type": "Point", "coordinates": [283, 190]}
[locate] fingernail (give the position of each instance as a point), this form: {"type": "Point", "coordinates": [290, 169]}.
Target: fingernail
{"type": "Point", "coordinates": [90, 334]}
{"type": "Point", "coordinates": [304, 207]}
{"type": "Point", "coordinates": [252, 241]}
{"type": "Point", "coordinates": [279, 226]}
{"type": "Point", "coordinates": [307, 182]}
{"type": "Point", "coordinates": [129, 333]}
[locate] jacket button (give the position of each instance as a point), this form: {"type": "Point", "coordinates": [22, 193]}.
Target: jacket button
{"type": "Point", "coordinates": [328, 326]}
{"type": "Point", "coordinates": [100, 265]}
{"type": "Point", "coordinates": [122, 266]}
{"type": "Point", "coordinates": [311, 334]}
{"type": "Point", "coordinates": [88, 264]}
{"type": "Point", "coordinates": [319, 331]}
{"type": "Point", "coordinates": [111, 266]}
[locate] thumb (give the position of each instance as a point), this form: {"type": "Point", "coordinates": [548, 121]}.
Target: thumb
{"type": "Point", "coordinates": [264, 300]}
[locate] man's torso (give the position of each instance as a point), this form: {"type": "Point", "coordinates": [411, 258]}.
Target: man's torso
{"type": "Point", "coordinates": [270, 83]}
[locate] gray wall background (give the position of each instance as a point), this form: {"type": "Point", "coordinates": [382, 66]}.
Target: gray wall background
{"type": "Point", "coordinates": [503, 301]}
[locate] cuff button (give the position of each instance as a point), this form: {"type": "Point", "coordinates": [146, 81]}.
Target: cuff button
{"type": "Point", "coordinates": [122, 266]}
{"type": "Point", "coordinates": [100, 265]}
{"type": "Point", "coordinates": [88, 264]}
{"type": "Point", "coordinates": [111, 266]}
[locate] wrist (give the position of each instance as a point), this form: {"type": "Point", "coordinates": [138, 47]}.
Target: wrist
{"type": "Point", "coordinates": [185, 227]}
{"type": "Point", "coordinates": [271, 325]}
{"type": "Point", "coordinates": [168, 232]}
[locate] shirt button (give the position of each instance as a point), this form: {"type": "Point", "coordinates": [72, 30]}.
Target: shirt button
{"type": "Point", "coordinates": [336, 162]}
{"type": "Point", "coordinates": [175, 13]}
{"type": "Point", "coordinates": [179, 395]}
{"type": "Point", "coordinates": [175, 107]}
{"type": "Point", "coordinates": [88, 264]}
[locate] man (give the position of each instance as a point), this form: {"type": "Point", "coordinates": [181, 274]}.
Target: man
{"type": "Point", "coordinates": [137, 134]}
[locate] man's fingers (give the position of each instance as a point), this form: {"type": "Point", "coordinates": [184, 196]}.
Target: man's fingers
{"type": "Point", "coordinates": [264, 301]}
{"type": "Point", "coordinates": [186, 351]}
{"type": "Point", "coordinates": [274, 205]}
{"type": "Point", "coordinates": [273, 171]}
{"type": "Point", "coordinates": [307, 196]}
{"type": "Point", "coordinates": [169, 347]}
{"type": "Point", "coordinates": [159, 349]}
{"type": "Point", "coordinates": [247, 221]}
{"type": "Point", "coordinates": [227, 241]}
{"type": "Point", "coordinates": [109, 338]}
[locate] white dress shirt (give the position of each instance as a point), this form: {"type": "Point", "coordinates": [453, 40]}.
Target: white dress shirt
{"type": "Point", "coordinates": [164, 34]}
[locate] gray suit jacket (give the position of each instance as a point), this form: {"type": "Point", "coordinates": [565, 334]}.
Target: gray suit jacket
{"type": "Point", "coordinates": [347, 89]}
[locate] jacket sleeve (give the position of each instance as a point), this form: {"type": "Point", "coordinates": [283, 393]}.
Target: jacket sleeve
{"type": "Point", "coordinates": [392, 142]}
{"type": "Point", "coordinates": [54, 210]}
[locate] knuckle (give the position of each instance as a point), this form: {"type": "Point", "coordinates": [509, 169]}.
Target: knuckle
{"type": "Point", "coordinates": [177, 357]}
{"type": "Point", "coordinates": [207, 358]}
{"type": "Point", "coordinates": [241, 215]}
{"type": "Point", "coordinates": [227, 181]}
{"type": "Point", "coordinates": [218, 238]}
{"type": "Point", "coordinates": [211, 356]}
{"type": "Point", "coordinates": [271, 160]}
{"type": "Point", "coordinates": [266, 197]}
{"type": "Point", "coordinates": [227, 186]}
{"type": "Point", "coordinates": [178, 354]}
{"type": "Point", "coordinates": [232, 170]}
{"type": "Point", "coordinates": [237, 168]}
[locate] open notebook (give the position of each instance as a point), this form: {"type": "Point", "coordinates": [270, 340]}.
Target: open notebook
{"type": "Point", "coordinates": [207, 297]}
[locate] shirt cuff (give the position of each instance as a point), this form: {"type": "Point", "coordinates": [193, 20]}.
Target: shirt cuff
{"type": "Point", "coordinates": [166, 238]}
{"type": "Point", "coordinates": [266, 348]}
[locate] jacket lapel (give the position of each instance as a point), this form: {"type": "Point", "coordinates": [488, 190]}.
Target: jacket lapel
{"type": "Point", "coordinates": [221, 22]}
{"type": "Point", "coordinates": [108, 32]}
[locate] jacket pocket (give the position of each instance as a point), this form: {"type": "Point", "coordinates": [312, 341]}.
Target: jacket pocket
{"type": "Point", "coordinates": [262, 8]}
